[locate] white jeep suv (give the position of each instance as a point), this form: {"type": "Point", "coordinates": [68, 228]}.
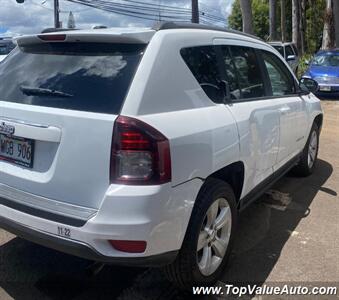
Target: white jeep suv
{"type": "Point", "coordinates": [140, 146]}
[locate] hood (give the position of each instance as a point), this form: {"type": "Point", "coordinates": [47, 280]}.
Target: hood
{"type": "Point", "coordinates": [319, 71]}
{"type": "Point", "coordinates": [2, 57]}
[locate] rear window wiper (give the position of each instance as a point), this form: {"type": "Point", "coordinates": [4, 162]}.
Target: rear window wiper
{"type": "Point", "coordinates": [31, 91]}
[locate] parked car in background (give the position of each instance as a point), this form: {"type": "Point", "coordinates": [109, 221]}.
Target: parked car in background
{"type": "Point", "coordinates": [6, 46]}
{"type": "Point", "coordinates": [289, 52]}
{"type": "Point", "coordinates": [140, 146]}
{"type": "Point", "coordinates": [324, 69]}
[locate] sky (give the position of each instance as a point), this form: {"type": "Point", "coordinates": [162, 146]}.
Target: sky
{"type": "Point", "coordinates": [34, 15]}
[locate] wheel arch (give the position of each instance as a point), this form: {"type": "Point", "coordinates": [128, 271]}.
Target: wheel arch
{"type": "Point", "coordinates": [234, 175]}
{"type": "Point", "coordinates": [319, 121]}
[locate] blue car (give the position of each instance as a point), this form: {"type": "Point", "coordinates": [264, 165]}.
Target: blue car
{"type": "Point", "coordinates": [324, 69]}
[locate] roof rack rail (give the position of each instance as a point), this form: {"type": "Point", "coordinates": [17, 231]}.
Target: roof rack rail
{"type": "Point", "coordinates": [49, 30]}
{"type": "Point", "coordinates": [181, 25]}
{"type": "Point", "coordinates": [99, 27]}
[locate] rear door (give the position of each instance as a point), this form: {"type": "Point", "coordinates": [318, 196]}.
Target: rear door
{"type": "Point", "coordinates": [58, 103]}
{"type": "Point", "coordinates": [257, 117]}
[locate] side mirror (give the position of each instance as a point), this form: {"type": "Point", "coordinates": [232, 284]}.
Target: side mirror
{"type": "Point", "coordinates": [291, 57]}
{"type": "Point", "coordinates": [308, 85]}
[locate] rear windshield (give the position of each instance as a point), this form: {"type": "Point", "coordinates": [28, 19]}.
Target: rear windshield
{"type": "Point", "coordinates": [79, 76]}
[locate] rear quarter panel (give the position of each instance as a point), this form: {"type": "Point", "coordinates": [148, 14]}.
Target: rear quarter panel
{"type": "Point", "coordinates": [203, 135]}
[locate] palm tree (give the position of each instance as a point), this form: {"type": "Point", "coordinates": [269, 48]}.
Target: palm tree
{"type": "Point", "coordinates": [328, 33]}
{"type": "Point", "coordinates": [273, 20]}
{"type": "Point", "coordinates": [283, 21]}
{"type": "Point", "coordinates": [302, 25]}
{"type": "Point", "coordinates": [247, 19]}
{"type": "Point", "coordinates": [296, 23]}
{"type": "Point", "coordinates": [336, 21]}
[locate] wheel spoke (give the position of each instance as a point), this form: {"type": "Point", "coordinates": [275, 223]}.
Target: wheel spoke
{"type": "Point", "coordinates": [312, 153]}
{"type": "Point", "coordinates": [219, 246]}
{"type": "Point", "coordinates": [222, 218]}
{"type": "Point", "coordinates": [212, 214]}
{"type": "Point", "coordinates": [202, 241]}
{"type": "Point", "coordinates": [206, 260]}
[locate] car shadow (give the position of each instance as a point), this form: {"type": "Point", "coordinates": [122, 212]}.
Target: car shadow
{"type": "Point", "coordinates": [268, 224]}
{"type": "Point", "coordinates": [329, 97]}
{"type": "Point", "coordinates": [29, 271]}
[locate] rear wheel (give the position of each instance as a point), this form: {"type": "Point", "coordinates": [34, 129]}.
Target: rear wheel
{"type": "Point", "coordinates": [310, 154]}
{"type": "Point", "coordinates": [208, 239]}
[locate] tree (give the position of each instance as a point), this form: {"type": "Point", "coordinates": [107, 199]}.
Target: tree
{"type": "Point", "coordinates": [260, 18]}
{"type": "Point", "coordinates": [273, 20]}
{"type": "Point", "coordinates": [328, 33]}
{"type": "Point", "coordinates": [309, 28]}
{"type": "Point", "coordinates": [247, 19]}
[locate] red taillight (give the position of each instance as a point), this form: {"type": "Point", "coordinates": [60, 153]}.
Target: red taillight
{"type": "Point", "coordinates": [140, 154]}
{"type": "Point", "coordinates": [52, 37]}
{"type": "Point", "coordinates": [129, 246]}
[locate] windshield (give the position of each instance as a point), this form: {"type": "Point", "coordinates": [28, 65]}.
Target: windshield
{"type": "Point", "coordinates": [326, 61]}
{"type": "Point", "coordinates": [280, 50]}
{"type": "Point", "coordinates": [90, 77]}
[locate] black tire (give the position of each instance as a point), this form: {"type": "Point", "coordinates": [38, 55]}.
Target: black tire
{"type": "Point", "coordinates": [303, 168]}
{"type": "Point", "coordinates": [184, 272]}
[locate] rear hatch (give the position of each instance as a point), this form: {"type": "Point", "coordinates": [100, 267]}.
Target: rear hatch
{"type": "Point", "coordinates": [59, 98]}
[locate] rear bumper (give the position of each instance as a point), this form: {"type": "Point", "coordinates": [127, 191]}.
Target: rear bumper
{"type": "Point", "coordinates": [158, 215]}
{"type": "Point", "coordinates": [81, 249]}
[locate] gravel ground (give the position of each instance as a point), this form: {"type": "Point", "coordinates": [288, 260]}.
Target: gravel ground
{"type": "Point", "coordinates": [290, 236]}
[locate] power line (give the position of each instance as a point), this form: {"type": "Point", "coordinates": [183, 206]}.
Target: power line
{"type": "Point", "coordinates": [147, 11]}
{"type": "Point", "coordinates": [154, 4]}
{"type": "Point", "coordinates": [207, 7]}
{"type": "Point", "coordinates": [126, 12]}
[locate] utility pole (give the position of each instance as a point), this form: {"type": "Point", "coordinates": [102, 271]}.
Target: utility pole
{"type": "Point", "coordinates": [56, 14]}
{"type": "Point", "coordinates": [195, 11]}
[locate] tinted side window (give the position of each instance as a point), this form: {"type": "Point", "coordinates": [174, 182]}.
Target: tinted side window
{"type": "Point", "coordinates": [202, 61]}
{"type": "Point", "coordinates": [231, 73]}
{"type": "Point", "coordinates": [282, 81]}
{"type": "Point", "coordinates": [289, 51]}
{"type": "Point", "coordinates": [249, 73]}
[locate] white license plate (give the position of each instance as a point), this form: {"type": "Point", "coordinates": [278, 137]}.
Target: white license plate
{"type": "Point", "coordinates": [19, 151]}
{"type": "Point", "coordinates": [325, 88]}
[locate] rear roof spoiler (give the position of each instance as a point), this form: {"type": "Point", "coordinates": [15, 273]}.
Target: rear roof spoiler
{"type": "Point", "coordinates": [89, 36]}
{"type": "Point", "coordinates": [49, 30]}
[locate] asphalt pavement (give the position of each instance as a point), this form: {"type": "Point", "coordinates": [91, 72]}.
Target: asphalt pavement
{"type": "Point", "coordinates": [291, 235]}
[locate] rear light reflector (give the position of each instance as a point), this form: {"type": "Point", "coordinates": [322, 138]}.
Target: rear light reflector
{"type": "Point", "coordinates": [140, 154]}
{"type": "Point", "coordinates": [52, 37]}
{"type": "Point", "coordinates": [129, 246]}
